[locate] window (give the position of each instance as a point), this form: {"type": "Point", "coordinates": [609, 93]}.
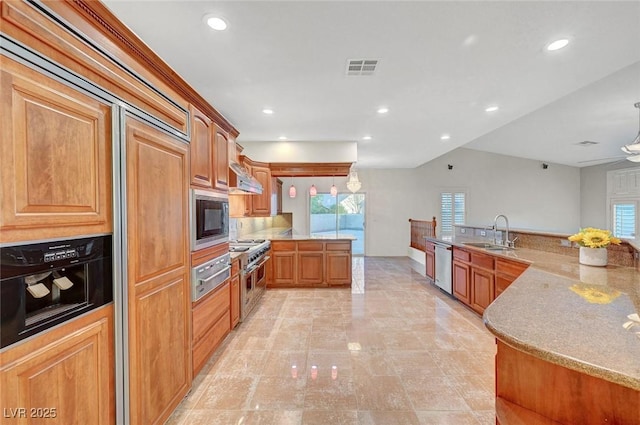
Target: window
{"type": "Point", "coordinates": [624, 219]}
{"type": "Point", "coordinates": [452, 211]}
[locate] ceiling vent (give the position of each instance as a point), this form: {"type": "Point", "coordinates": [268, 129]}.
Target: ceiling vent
{"type": "Point", "coordinates": [587, 143]}
{"type": "Point", "coordinates": [361, 66]}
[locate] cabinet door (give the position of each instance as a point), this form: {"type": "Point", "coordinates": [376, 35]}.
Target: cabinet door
{"type": "Point", "coordinates": [279, 196]}
{"type": "Point", "coordinates": [201, 148]}
{"type": "Point", "coordinates": [338, 268]}
{"type": "Point", "coordinates": [235, 301]}
{"type": "Point", "coordinates": [65, 374]}
{"type": "Point", "coordinates": [431, 265]}
{"type": "Point", "coordinates": [55, 145]}
{"type": "Point", "coordinates": [261, 204]}
{"type": "Point", "coordinates": [482, 289]}
{"type": "Point", "coordinates": [461, 282]}
{"type": "Point", "coordinates": [310, 268]}
{"type": "Point", "coordinates": [248, 199]}
{"type": "Point", "coordinates": [221, 162]}
{"type": "Point", "coordinates": [159, 307]}
{"type": "Point", "coordinates": [284, 268]}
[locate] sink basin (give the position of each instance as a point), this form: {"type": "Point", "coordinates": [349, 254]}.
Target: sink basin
{"type": "Point", "coordinates": [488, 246]}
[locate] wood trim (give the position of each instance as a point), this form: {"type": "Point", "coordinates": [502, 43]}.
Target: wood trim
{"type": "Point", "coordinates": [310, 169]}
{"type": "Point", "coordinates": [420, 229]}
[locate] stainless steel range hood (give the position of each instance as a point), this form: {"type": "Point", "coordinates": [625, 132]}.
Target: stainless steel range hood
{"type": "Point", "coordinates": [241, 181]}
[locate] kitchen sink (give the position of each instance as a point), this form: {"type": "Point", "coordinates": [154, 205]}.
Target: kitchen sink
{"type": "Point", "coordinates": [488, 246]}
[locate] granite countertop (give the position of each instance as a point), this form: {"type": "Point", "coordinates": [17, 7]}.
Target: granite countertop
{"type": "Point", "coordinates": [570, 314]}
{"type": "Point", "coordinates": [338, 237]}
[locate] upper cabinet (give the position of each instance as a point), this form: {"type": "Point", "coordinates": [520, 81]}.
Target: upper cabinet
{"type": "Point", "coordinates": [202, 150]}
{"type": "Point", "coordinates": [221, 161]}
{"type": "Point", "coordinates": [209, 153]}
{"type": "Point", "coordinates": [56, 181]}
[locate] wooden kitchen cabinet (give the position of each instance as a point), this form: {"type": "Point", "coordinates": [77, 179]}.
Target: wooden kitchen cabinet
{"type": "Point", "coordinates": [66, 374]}
{"type": "Point", "coordinates": [338, 262]}
{"type": "Point", "coordinates": [284, 262]}
{"type": "Point", "coordinates": [461, 281]}
{"type": "Point", "coordinates": [221, 160]}
{"type": "Point", "coordinates": [235, 293]}
{"type": "Point", "coordinates": [482, 289]}
{"type": "Point", "coordinates": [211, 317]}
{"type": "Point", "coordinates": [261, 204]}
{"type": "Point", "coordinates": [276, 196]}
{"type": "Point", "coordinates": [506, 272]}
{"type": "Point", "coordinates": [56, 145]}
{"type": "Point", "coordinates": [310, 263]}
{"type": "Point", "coordinates": [159, 307]}
{"type": "Point", "coordinates": [430, 256]}
{"type": "Point", "coordinates": [202, 150]}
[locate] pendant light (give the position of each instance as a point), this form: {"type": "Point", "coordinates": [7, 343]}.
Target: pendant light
{"type": "Point", "coordinates": [634, 147]}
{"type": "Point", "coordinates": [312, 190]}
{"type": "Point", "coordinates": [334, 189]}
{"type": "Point", "coordinates": [353, 184]}
{"type": "Point", "coordinates": [292, 190]}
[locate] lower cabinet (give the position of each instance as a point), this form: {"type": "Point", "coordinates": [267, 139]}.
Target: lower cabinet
{"type": "Point", "coordinates": [63, 376]}
{"type": "Point", "coordinates": [311, 263]}
{"type": "Point", "coordinates": [211, 323]}
{"type": "Point", "coordinates": [430, 256]}
{"type": "Point", "coordinates": [234, 308]}
{"type": "Point", "coordinates": [478, 278]}
{"type": "Point", "coordinates": [482, 289]}
{"type": "Point", "coordinates": [462, 282]}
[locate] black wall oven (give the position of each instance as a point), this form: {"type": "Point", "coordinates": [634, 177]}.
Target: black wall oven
{"type": "Point", "coordinates": [209, 219]}
{"type": "Point", "coordinates": [44, 284]}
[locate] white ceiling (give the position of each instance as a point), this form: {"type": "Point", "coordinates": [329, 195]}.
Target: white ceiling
{"type": "Point", "coordinates": [441, 64]}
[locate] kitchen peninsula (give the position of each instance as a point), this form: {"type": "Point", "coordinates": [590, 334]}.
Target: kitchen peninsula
{"type": "Point", "coordinates": [568, 346]}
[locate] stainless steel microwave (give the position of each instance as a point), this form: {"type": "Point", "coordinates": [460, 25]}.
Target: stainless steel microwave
{"type": "Point", "coordinates": [209, 219]}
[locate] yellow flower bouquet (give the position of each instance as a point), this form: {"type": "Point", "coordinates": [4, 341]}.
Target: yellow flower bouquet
{"type": "Point", "coordinates": [591, 237]}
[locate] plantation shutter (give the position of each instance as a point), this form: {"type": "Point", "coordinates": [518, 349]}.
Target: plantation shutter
{"type": "Point", "coordinates": [452, 210]}
{"type": "Point", "coordinates": [624, 220]}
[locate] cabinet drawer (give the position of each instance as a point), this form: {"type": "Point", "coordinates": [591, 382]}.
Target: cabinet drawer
{"type": "Point", "coordinates": [338, 246]}
{"type": "Point", "coordinates": [461, 255]}
{"type": "Point", "coordinates": [283, 245]}
{"type": "Point", "coordinates": [209, 310]}
{"type": "Point", "coordinates": [310, 246]}
{"type": "Point", "coordinates": [510, 268]}
{"type": "Point", "coordinates": [203, 349]}
{"type": "Point", "coordinates": [482, 260]}
{"type": "Point", "coordinates": [431, 247]}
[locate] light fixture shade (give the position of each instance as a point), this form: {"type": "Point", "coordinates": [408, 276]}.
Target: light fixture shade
{"type": "Point", "coordinates": [353, 184]}
{"type": "Point", "coordinates": [334, 191]}
{"type": "Point", "coordinates": [292, 191]}
{"type": "Point", "coordinates": [312, 190]}
{"type": "Point", "coordinates": [634, 158]}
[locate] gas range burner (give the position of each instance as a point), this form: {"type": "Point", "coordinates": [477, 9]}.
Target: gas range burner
{"type": "Point", "coordinates": [239, 248]}
{"type": "Point", "coordinates": [248, 241]}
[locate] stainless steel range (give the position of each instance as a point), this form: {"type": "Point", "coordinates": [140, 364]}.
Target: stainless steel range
{"type": "Point", "coordinates": [253, 271]}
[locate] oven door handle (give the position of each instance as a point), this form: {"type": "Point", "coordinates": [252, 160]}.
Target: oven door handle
{"type": "Point", "coordinates": [257, 266]}
{"type": "Point", "coordinates": [207, 280]}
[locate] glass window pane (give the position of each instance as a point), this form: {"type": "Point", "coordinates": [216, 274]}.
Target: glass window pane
{"type": "Point", "coordinates": [624, 220]}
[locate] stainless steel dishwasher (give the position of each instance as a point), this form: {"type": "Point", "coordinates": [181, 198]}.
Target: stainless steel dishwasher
{"type": "Point", "coordinates": [444, 255]}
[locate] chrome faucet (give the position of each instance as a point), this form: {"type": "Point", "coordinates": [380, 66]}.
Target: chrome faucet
{"type": "Point", "coordinates": [506, 241]}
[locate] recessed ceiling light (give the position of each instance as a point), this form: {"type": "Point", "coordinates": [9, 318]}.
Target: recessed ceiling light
{"type": "Point", "coordinates": [215, 22]}
{"type": "Point", "coordinates": [282, 138]}
{"type": "Point", "coordinates": [492, 108]}
{"type": "Point", "coordinates": [445, 137]}
{"type": "Point", "coordinates": [558, 44]}
{"type": "Point", "coordinates": [383, 110]}
{"type": "Point", "coordinates": [267, 111]}
{"type": "Point", "coordinates": [366, 137]}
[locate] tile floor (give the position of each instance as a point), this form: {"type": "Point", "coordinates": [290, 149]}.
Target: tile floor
{"type": "Point", "coordinates": [395, 350]}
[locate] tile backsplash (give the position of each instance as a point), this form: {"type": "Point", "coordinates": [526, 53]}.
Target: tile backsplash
{"type": "Point", "coordinates": [239, 227]}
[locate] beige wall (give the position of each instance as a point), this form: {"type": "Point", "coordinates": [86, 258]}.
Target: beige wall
{"type": "Point", "coordinates": [531, 197]}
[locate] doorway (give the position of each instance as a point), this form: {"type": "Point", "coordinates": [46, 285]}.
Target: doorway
{"type": "Point", "coordinates": [339, 215]}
